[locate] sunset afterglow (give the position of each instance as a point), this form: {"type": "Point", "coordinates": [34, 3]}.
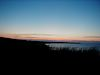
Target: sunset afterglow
{"type": "Point", "coordinates": [50, 19]}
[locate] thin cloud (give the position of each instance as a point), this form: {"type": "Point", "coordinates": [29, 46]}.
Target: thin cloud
{"type": "Point", "coordinates": [44, 34]}
{"type": "Point", "coordinates": [38, 34]}
{"type": "Point", "coordinates": [92, 36]}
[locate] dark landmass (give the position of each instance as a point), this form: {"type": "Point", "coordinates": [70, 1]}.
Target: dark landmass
{"type": "Point", "coordinates": [63, 42]}
{"type": "Point", "coordinates": [18, 50]}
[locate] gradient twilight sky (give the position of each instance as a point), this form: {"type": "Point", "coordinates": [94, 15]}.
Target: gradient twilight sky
{"type": "Point", "coordinates": [59, 17]}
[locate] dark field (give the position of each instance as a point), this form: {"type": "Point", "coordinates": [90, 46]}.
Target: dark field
{"type": "Point", "coordinates": [12, 49]}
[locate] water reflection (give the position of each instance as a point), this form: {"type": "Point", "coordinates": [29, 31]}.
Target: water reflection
{"type": "Point", "coordinates": [82, 46]}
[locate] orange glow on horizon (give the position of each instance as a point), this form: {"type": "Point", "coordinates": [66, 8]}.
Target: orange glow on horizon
{"type": "Point", "coordinates": [31, 37]}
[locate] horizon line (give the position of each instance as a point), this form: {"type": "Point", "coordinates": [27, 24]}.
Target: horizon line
{"type": "Point", "coordinates": [50, 37]}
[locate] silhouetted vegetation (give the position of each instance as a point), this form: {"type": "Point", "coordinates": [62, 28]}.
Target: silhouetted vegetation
{"type": "Point", "coordinates": [35, 50]}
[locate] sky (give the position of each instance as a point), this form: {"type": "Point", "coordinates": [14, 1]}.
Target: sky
{"type": "Point", "coordinates": [65, 19]}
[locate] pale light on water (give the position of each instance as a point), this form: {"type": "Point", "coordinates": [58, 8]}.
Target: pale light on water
{"type": "Point", "coordinates": [81, 45]}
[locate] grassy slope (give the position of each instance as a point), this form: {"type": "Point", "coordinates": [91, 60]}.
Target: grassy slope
{"type": "Point", "coordinates": [33, 50]}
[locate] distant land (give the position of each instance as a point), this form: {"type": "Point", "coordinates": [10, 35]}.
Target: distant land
{"type": "Point", "coordinates": [40, 37]}
{"type": "Point", "coordinates": [47, 41]}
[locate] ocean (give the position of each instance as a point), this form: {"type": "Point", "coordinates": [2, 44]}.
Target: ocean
{"type": "Point", "coordinates": [81, 45]}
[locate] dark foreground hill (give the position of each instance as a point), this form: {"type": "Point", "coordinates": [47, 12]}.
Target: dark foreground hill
{"type": "Point", "coordinates": [12, 49]}
{"type": "Point", "coordinates": [23, 47]}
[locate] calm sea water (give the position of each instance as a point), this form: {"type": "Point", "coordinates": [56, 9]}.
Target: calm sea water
{"type": "Point", "coordinates": [81, 45]}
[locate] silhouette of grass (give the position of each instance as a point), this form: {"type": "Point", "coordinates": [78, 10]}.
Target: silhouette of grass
{"type": "Point", "coordinates": [36, 50]}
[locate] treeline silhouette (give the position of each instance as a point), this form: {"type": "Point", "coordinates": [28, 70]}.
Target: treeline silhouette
{"type": "Point", "coordinates": [36, 50]}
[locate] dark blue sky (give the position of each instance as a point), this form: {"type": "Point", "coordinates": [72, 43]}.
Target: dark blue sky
{"type": "Point", "coordinates": [65, 17]}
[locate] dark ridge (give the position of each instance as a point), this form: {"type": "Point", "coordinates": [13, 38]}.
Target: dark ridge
{"type": "Point", "coordinates": [63, 42]}
{"type": "Point", "coordinates": [13, 49]}
{"type": "Point", "coordinates": [23, 48]}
